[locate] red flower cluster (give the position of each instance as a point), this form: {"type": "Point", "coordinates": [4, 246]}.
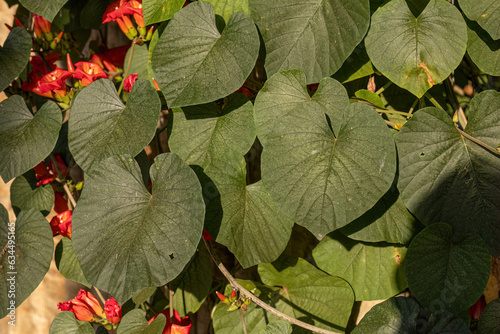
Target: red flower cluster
{"type": "Point", "coordinates": [45, 174]}
{"type": "Point", "coordinates": [179, 326]}
{"type": "Point", "coordinates": [121, 11]}
{"type": "Point", "coordinates": [42, 27]}
{"type": "Point", "coordinates": [39, 69]}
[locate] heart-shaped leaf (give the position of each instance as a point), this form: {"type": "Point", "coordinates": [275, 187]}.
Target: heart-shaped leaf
{"type": "Point", "coordinates": [25, 194]}
{"type": "Point", "coordinates": [127, 239]}
{"type": "Point", "coordinates": [482, 49]}
{"type": "Point", "coordinates": [277, 327]}
{"type": "Point", "coordinates": [315, 36]}
{"type": "Point", "coordinates": [355, 262]}
{"type": "Point", "coordinates": [47, 9]}
{"type": "Point", "coordinates": [446, 272]}
{"type": "Point", "coordinates": [312, 295]}
{"type": "Point", "coordinates": [14, 55]}
{"type": "Point", "coordinates": [68, 264]}
{"type": "Point", "coordinates": [226, 8]}
{"type": "Point", "coordinates": [26, 139]}
{"type": "Point", "coordinates": [27, 248]}
{"type": "Point", "coordinates": [325, 162]}
{"type": "Point", "coordinates": [66, 323]}
{"type": "Point", "coordinates": [198, 64]}
{"type": "Point", "coordinates": [134, 322]}
{"type": "Point", "coordinates": [489, 323]}
{"type": "Point", "coordinates": [155, 11]}
{"type": "Point", "coordinates": [446, 177]}
{"type": "Point", "coordinates": [416, 52]}
{"type": "Point", "coordinates": [101, 125]}
{"type": "Point", "coordinates": [485, 12]}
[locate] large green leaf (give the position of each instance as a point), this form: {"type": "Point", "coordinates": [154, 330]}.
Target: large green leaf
{"type": "Point", "coordinates": [198, 64]}
{"type": "Point", "coordinates": [101, 125]}
{"type": "Point", "coordinates": [375, 271]}
{"type": "Point", "coordinates": [66, 323]}
{"type": "Point", "coordinates": [216, 139]}
{"type": "Point", "coordinates": [127, 239]}
{"type": "Point", "coordinates": [134, 322]}
{"type": "Point", "coordinates": [446, 272]}
{"type": "Point", "coordinates": [139, 62]}
{"type": "Point", "coordinates": [26, 139]}
{"type": "Point", "coordinates": [226, 8]}
{"type": "Point", "coordinates": [91, 14]}
{"type": "Point", "coordinates": [449, 178]}
{"type": "Point", "coordinates": [155, 11]}
{"type": "Point", "coordinates": [489, 323]}
{"type": "Point", "coordinates": [25, 194]}
{"type": "Point", "coordinates": [68, 264]}
{"type": "Point", "coordinates": [315, 36]}
{"type": "Point", "coordinates": [27, 248]}
{"type": "Point", "coordinates": [325, 162]}
{"type": "Point", "coordinates": [388, 221]}
{"type": "Point", "coordinates": [483, 50]}
{"type": "Point", "coordinates": [277, 327]}
{"type": "Point", "coordinates": [310, 294]}
{"type": "Point", "coordinates": [14, 55]}
{"type": "Point", "coordinates": [416, 53]}
{"type": "Point", "coordinates": [193, 285]}
{"type": "Point", "coordinates": [400, 315]}
{"type": "Point", "coordinates": [47, 9]}
{"type": "Point", "coordinates": [485, 12]}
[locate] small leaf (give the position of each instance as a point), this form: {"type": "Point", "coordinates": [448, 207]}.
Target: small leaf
{"type": "Point", "coordinates": [101, 125]}
{"type": "Point", "coordinates": [416, 52]}
{"type": "Point", "coordinates": [27, 251]}
{"type": "Point", "coordinates": [26, 139]}
{"type": "Point", "coordinates": [446, 272]}
{"type": "Point", "coordinates": [25, 194]}
{"type": "Point", "coordinates": [14, 55]}
{"type": "Point", "coordinates": [68, 264]}
{"type": "Point", "coordinates": [66, 323]}
{"type": "Point", "coordinates": [148, 238]}
{"type": "Point", "coordinates": [134, 322]}
{"type": "Point", "coordinates": [198, 64]}
{"type": "Point", "coordinates": [489, 323]}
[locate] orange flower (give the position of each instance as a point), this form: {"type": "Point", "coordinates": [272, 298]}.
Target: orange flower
{"type": "Point", "coordinates": [42, 25]}
{"type": "Point", "coordinates": [88, 72]}
{"type": "Point", "coordinates": [113, 311]}
{"type": "Point", "coordinates": [85, 306]}
{"type": "Point", "coordinates": [179, 326]}
{"type": "Point", "coordinates": [52, 84]}
{"type": "Point", "coordinates": [61, 224]}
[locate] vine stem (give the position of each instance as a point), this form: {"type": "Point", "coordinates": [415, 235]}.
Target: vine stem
{"type": "Point", "coordinates": [99, 294]}
{"type": "Point", "coordinates": [384, 111]}
{"type": "Point", "coordinates": [242, 319]}
{"type": "Point", "coordinates": [129, 62]}
{"type": "Point", "coordinates": [383, 88]}
{"type": "Point", "coordinates": [480, 143]}
{"type": "Point", "coordinates": [65, 185]}
{"type": "Point", "coordinates": [433, 100]}
{"type": "Point", "coordinates": [256, 300]}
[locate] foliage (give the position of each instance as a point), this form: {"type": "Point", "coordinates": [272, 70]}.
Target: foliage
{"type": "Point", "coordinates": [330, 151]}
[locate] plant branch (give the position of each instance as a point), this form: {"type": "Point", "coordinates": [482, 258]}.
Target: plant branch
{"type": "Point", "coordinates": [480, 143]}
{"type": "Point", "coordinates": [383, 88]}
{"type": "Point", "coordinates": [129, 62]}
{"type": "Point", "coordinates": [259, 302]}
{"type": "Point", "coordinates": [242, 319]}
{"type": "Point", "coordinates": [99, 294]}
{"type": "Point", "coordinates": [60, 179]}
{"type": "Point", "coordinates": [433, 100]}
{"type": "Point", "coordinates": [385, 111]}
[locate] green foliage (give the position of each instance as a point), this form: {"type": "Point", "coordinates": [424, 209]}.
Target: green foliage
{"type": "Point", "coordinates": [66, 323]}
{"type": "Point", "coordinates": [134, 323]}
{"type": "Point", "coordinates": [16, 49]}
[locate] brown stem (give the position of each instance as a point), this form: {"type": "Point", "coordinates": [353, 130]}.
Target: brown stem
{"type": "Point", "coordinates": [242, 319]}
{"type": "Point", "coordinates": [259, 302]}
{"type": "Point", "coordinates": [60, 179]}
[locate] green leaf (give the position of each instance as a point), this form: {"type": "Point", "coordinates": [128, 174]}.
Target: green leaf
{"type": "Point", "coordinates": [446, 177]}
{"type": "Point", "coordinates": [416, 53]}
{"type": "Point", "coordinates": [139, 61]}
{"type": "Point", "coordinates": [155, 11]}
{"type": "Point", "coordinates": [315, 36]}
{"type": "Point", "coordinates": [27, 248]}
{"type": "Point", "coordinates": [68, 264]}
{"type": "Point", "coordinates": [388, 221]}
{"type": "Point", "coordinates": [26, 139]}
{"type": "Point", "coordinates": [483, 50]}
{"type": "Point", "coordinates": [25, 194]}
{"type": "Point", "coordinates": [446, 272]}
{"type": "Point", "coordinates": [226, 8]}
{"type": "Point", "coordinates": [310, 294]}
{"type": "Point", "coordinates": [489, 323]}
{"type": "Point", "coordinates": [14, 55]}
{"type": "Point", "coordinates": [277, 327]}
{"type": "Point", "coordinates": [197, 64]}
{"type": "Point", "coordinates": [485, 12]}
{"type": "Point", "coordinates": [144, 295]}
{"type": "Point", "coordinates": [357, 65]}
{"type": "Point", "coordinates": [399, 315]}
{"type": "Point", "coordinates": [134, 322]}
{"type": "Point", "coordinates": [66, 323]}
{"type": "Point", "coordinates": [92, 12]}
{"type": "Point", "coordinates": [370, 96]}
{"type": "Point", "coordinates": [150, 238]}
{"type": "Point", "coordinates": [47, 9]}
{"type": "Point", "coordinates": [374, 271]}
{"type": "Point", "coordinates": [325, 162]}
{"type": "Point", "coordinates": [193, 285]}
{"type": "Point", "coordinates": [101, 125]}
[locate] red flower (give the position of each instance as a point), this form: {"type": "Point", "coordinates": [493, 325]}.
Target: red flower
{"type": "Point", "coordinates": [62, 224]}
{"type": "Point", "coordinates": [41, 25]}
{"type": "Point", "coordinates": [102, 61]}
{"type": "Point", "coordinates": [116, 10]}
{"type": "Point", "coordinates": [85, 306]}
{"type": "Point", "coordinates": [180, 326]}
{"type": "Point", "coordinates": [39, 69]}
{"type": "Point", "coordinates": [88, 72]}
{"type": "Point", "coordinates": [60, 203]}
{"type": "Point", "coordinates": [43, 175]}
{"type": "Point", "coordinates": [136, 7]}
{"type": "Point", "coordinates": [52, 84]}
{"type": "Point", "coordinates": [129, 81]}
{"type": "Point", "coordinates": [477, 309]}
{"type": "Point", "coordinates": [60, 164]}
{"type": "Point", "coordinates": [207, 236]}
{"type": "Point", "coordinates": [113, 311]}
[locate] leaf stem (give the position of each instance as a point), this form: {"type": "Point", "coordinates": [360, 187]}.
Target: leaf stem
{"type": "Point", "coordinates": [413, 107]}
{"type": "Point", "coordinates": [125, 73]}
{"type": "Point", "coordinates": [433, 100]}
{"type": "Point", "coordinates": [171, 302]}
{"type": "Point", "coordinates": [242, 319]}
{"type": "Point", "coordinates": [259, 302]}
{"type": "Point", "coordinates": [385, 111]}
{"type": "Point", "coordinates": [60, 179]}
{"type": "Point", "coordinates": [480, 143]}
{"type": "Point", "coordinates": [99, 294]}
{"type": "Point", "coordinates": [378, 92]}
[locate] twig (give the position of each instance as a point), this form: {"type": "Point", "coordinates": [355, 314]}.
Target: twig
{"type": "Point", "coordinates": [242, 319]}
{"type": "Point", "coordinates": [480, 143]}
{"type": "Point", "coordinates": [433, 100]}
{"type": "Point", "coordinates": [125, 73]}
{"type": "Point", "coordinates": [385, 111]}
{"type": "Point", "coordinates": [171, 301]}
{"type": "Point", "coordinates": [60, 179]}
{"type": "Point", "coordinates": [259, 302]}
{"type": "Point", "coordinates": [383, 88]}
{"type": "Point", "coordinates": [99, 294]}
